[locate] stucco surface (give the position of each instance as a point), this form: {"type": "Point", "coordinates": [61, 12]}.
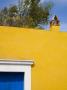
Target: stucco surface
{"type": "Point", "coordinates": [48, 50]}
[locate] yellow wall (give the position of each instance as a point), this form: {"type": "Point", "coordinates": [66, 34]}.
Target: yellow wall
{"type": "Point", "coordinates": [55, 28]}
{"type": "Point", "coordinates": [47, 49]}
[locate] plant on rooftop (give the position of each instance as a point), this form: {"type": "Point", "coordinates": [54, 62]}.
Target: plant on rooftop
{"type": "Point", "coordinates": [28, 13]}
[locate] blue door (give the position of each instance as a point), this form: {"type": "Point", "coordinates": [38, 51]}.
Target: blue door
{"type": "Point", "coordinates": [11, 81]}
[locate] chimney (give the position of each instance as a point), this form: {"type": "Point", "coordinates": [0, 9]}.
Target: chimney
{"type": "Point", "coordinates": [55, 24]}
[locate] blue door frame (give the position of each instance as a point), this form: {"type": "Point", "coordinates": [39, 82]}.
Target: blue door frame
{"type": "Point", "coordinates": [11, 81]}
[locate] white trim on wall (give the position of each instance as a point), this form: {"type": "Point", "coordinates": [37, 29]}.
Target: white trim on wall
{"type": "Point", "coordinates": [18, 66]}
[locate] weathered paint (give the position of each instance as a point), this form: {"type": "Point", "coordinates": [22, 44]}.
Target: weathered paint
{"type": "Point", "coordinates": [48, 49]}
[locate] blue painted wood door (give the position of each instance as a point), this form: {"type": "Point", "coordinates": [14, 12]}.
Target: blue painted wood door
{"type": "Point", "coordinates": [11, 81]}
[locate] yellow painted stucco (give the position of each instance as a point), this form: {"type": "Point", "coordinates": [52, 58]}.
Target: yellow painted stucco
{"type": "Point", "coordinates": [55, 28]}
{"type": "Point", "coordinates": [48, 49]}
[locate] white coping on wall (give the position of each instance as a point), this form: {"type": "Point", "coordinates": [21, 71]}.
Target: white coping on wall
{"type": "Point", "coordinates": [7, 65]}
{"type": "Point", "coordinates": [16, 62]}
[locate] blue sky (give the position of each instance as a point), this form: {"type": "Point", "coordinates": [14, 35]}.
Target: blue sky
{"type": "Point", "coordinates": [59, 9]}
{"type": "Point", "coordinates": [4, 3]}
